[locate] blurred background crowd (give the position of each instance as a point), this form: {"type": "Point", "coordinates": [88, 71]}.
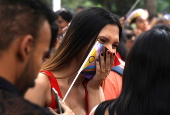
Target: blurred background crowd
{"type": "Point", "coordinates": [146, 15]}
{"type": "Point", "coordinates": [87, 64]}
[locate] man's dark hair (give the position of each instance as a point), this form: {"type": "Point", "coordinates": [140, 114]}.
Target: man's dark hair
{"type": "Point", "coordinates": [22, 17]}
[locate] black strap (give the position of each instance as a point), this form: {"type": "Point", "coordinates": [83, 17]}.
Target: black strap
{"type": "Point", "coordinates": [118, 70]}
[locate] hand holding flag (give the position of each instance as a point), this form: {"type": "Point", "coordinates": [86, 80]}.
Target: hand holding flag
{"type": "Point", "coordinates": [88, 68]}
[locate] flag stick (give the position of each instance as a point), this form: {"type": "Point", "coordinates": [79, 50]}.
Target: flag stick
{"type": "Point", "coordinates": [134, 5]}
{"type": "Point", "coordinates": [78, 73]}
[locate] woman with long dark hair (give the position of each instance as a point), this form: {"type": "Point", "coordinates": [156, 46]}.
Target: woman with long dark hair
{"type": "Point", "coordinates": [87, 27]}
{"type": "Point", "coordinates": [146, 78]}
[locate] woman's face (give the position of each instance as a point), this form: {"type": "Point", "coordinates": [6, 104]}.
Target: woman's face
{"type": "Point", "coordinates": [109, 37]}
{"type": "Point", "coordinates": [62, 23]}
{"type": "Point", "coordinates": [142, 23]}
{"type": "Point", "coordinates": [130, 38]}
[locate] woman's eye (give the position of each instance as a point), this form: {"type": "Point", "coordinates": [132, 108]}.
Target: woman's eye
{"type": "Point", "coordinates": [114, 46]}
{"type": "Point", "coordinates": [101, 40]}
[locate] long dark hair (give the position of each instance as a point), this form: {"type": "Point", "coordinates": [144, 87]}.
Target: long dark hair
{"type": "Point", "coordinates": [146, 78]}
{"type": "Point", "coordinates": [81, 34]}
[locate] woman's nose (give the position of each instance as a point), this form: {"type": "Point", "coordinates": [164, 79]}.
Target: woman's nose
{"type": "Point", "coordinates": [110, 48]}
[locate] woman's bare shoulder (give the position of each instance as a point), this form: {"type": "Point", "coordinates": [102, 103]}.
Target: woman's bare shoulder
{"type": "Point", "coordinates": [38, 94]}
{"type": "Point", "coordinates": [42, 80]}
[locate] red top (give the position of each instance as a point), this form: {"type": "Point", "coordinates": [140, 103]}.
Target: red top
{"type": "Point", "coordinates": [54, 84]}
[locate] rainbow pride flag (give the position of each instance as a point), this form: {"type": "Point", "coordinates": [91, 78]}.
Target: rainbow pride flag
{"type": "Point", "coordinates": [89, 68]}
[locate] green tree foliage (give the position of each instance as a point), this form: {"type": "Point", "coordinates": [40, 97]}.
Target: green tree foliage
{"type": "Point", "coordinates": [72, 4]}
{"type": "Point", "coordinates": [163, 6]}
{"type": "Point", "coordinates": [119, 7]}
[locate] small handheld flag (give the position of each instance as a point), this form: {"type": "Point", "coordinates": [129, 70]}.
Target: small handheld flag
{"type": "Point", "coordinates": [90, 63]}
{"type": "Point", "coordinates": [89, 69]}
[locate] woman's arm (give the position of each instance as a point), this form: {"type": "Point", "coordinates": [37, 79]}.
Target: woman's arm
{"type": "Point", "coordinates": [95, 91]}
{"type": "Point", "coordinates": [95, 97]}
{"type": "Point", "coordinates": [39, 93]}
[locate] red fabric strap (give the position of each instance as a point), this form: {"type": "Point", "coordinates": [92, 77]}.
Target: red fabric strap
{"type": "Point", "coordinates": [54, 84]}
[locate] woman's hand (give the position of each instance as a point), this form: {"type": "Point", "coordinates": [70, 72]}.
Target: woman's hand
{"type": "Point", "coordinates": [102, 69]}
{"type": "Point", "coordinates": [67, 110]}
{"type": "Point", "coordinates": [122, 21]}
{"type": "Point", "coordinates": [95, 91]}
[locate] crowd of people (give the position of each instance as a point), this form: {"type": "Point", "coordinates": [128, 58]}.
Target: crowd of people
{"type": "Point", "coordinates": [129, 74]}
